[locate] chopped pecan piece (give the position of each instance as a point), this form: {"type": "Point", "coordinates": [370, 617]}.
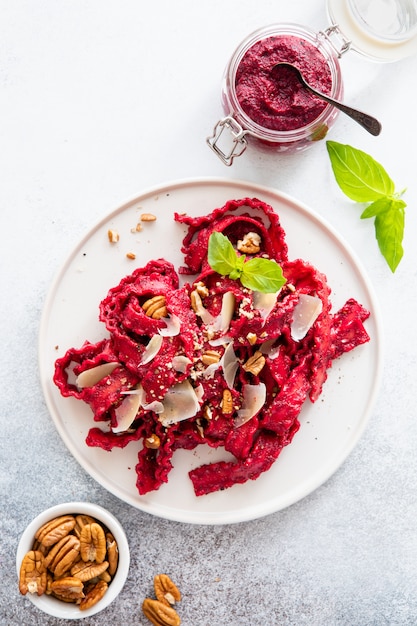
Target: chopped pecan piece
{"type": "Point", "coordinates": [252, 338]}
{"type": "Point", "coordinates": [201, 289]}
{"type": "Point", "coordinates": [148, 217]}
{"type": "Point", "coordinates": [166, 590]}
{"type": "Point", "coordinates": [255, 363]}
{"type": "Point", "coordinates": [210, 356]}
{"type": "Point", "coordinates": [51, 532]}
{"type": "Point", "coordinates": [160, 614]}
{"type": "Point", "coordinates": [32, 576]}
{"type": "Point", "coordinates": [199, 426]}
{"type": "Point", "coordinates": [207, 412]}
{"type": "Point", "coordinates": [152, 442]}
{"type": "Point", "coordinates": [112, 553]}
{"type": "Point", "coordinates": [227, 402]}
{"type": "Point", "coordinates": [93, 543]}
{"type": "Point", "coordinates": [196, 303]}
{"type": "Point", "coordinates": [155, 307]}
{"type": "Point", "coordinates": [250, 244]}
{"type": "Point", "coordinates": [113, 235]}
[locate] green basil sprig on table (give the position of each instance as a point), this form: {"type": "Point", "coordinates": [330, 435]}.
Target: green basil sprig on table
{"type": "Point", "coordinates": [257, 274]}
{"type": "Point", "coordinates": [363, 179]}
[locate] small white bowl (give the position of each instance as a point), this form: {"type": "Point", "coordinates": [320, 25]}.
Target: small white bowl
{"type": "Point", "coordinates": [58, 608]}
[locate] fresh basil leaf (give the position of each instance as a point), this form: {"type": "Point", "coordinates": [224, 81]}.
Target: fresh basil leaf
{"type": "Point", "coordinates": [236, 273]}
{"type": "Point", "coordinates": [381, 205]}
{"type": "Point", "coordinates": [257, 274]}
{"type": "Point", "coordinates": [358, 175]}
{"type": "Point", "coordinates": [221, 256]}
{"type": "Point", "coordinates": [389, 231]}
{"type": "Point", "coordinates": [262, 275]}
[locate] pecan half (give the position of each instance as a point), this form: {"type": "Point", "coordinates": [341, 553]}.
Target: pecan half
{"type": "Point", "coordinates": [166, 590]}
{"type": "Point", "coordinates": [86, 571]}
{"type": "Point", "coordinates": [49, 581]}
{"type": "Point", "coordinates": [105, 576]}
{"type": "Point", "coordinates": [40, 547]}
{"type": "Point", "coordinates": [93, 543]}
{"type": "Point", "coordinates": [81, 521]}
{"type": "Point", "coordinates": [32, 575]}
{"type": "Point", "coordinates": [255, 363]}
{"type": "Point", "coordinates": [63, 555]}
{"type": "Point", "coordinates": [93, 595]}
{"type": "Point", "coordinates": [155, 307]}
{"type": "Point", "coordinates": [68, 588]}
{"type": "Point", "coordinates": [51, 532]}
{"type": "Point", "coordinates": [112, 553]}
{"type": "Point", "coordinates": [160, 614]}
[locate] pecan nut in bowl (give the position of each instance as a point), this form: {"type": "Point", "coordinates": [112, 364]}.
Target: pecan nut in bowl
{"type": "Point", "coordinates": [75, 595]}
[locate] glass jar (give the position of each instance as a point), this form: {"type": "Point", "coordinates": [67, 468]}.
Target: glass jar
{"type": "Point", "coordinates": [266, 47]}
{"type": "Point", "coordinates": [382, 30]}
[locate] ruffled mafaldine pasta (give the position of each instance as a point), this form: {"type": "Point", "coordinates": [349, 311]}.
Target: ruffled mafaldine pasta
{"type": "Point", "coordinates": [211, 362]}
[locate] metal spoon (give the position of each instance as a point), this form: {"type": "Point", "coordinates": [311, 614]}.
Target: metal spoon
{"type": "Point", "coordinates": [367, 121]}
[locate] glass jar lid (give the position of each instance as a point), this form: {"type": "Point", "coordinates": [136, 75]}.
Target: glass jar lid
{"type": "Point", "coordinates": [383, 30]}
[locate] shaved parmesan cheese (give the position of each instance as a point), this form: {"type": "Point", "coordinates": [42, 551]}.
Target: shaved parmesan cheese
{"type": "Point", "coordinates": [180, 403]}
{"type": "Point", "coordinates": [212, 369]}
{"type": "Point", "coordinates": [91, 377]}
{"type": "Point", "coordinates": [173, 326]}
{"type": "Point", "coordinates": [126, 412]}
{"type": "Point", "coordinates": [180, 362]}
{"type": "Point", "coordinates": [267, 348]}
{"type": "Point", "coordinates": [254, 397]}
{"type": "Point", "coordinates": [200, 310]}
{"type": "Point", "coordinates": [220, 341]}
{"type": "Point", "coordinates": [139, 392]}
{"type": "Point", "coordinates": [264, 302]}
{"type": "Point", "coordinates": [199, 392]}
{"type": "Point", "coordinates": [152, 349]}
{"type": "Point", "coordinates": [223, 320]}
{"type": "Point", "coordinates": [155, 406]}
{"type": "Point", "coordinates": [230, 365]}
{"type": "Point", "coordinates": [306, 311]}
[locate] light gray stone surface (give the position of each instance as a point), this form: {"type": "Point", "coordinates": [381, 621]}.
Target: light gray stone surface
{"type": "Point", "coordinates": [99, 100]}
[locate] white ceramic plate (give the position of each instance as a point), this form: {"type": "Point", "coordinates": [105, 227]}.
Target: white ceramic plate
{"type": "Point", "coordinates": [329, 429]}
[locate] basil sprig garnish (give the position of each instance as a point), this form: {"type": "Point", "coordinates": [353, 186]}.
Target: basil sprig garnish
{"type": "Point", "coordinates": [257, 274]}
{"type": "Point", "coordinates": [364, 180]}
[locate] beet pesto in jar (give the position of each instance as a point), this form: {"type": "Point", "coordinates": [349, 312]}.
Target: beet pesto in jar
{"type": "Point", "coordinates": [272, 96]}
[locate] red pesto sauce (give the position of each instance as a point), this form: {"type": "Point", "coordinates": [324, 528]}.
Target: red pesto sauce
{"type": "Point", "coordinates": [274, 98]}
